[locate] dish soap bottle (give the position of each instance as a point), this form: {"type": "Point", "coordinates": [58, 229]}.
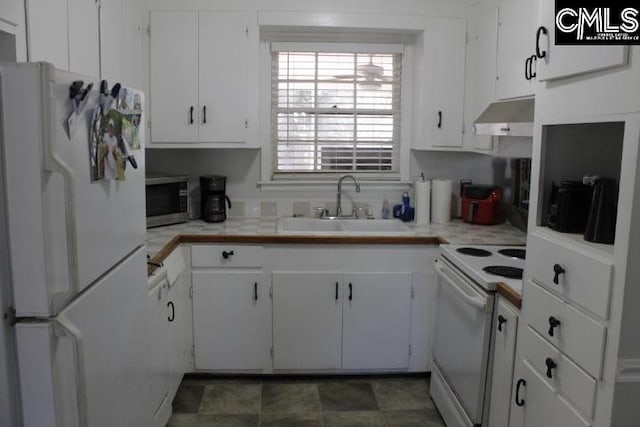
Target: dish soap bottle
{"type": "Point", "coordinates": [386, 210]}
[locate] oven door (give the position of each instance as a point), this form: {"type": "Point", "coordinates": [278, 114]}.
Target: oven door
{"type": "Point", "coordinates": [461, 337]}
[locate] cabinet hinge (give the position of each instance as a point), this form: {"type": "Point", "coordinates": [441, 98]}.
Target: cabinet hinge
{"type": "Point", "coordinates": [409, 349]}
{"type": "Point", "coordinates": [191, 292]}
{"type": "Point", "coordinates": [10, 316]}
{"type": "Point", "coordinates": [271, 352]}
{"type": "Point", "coordinates": [413, 292]}
{"type": "Point", "coordinates": [246, 31]}
{"type": "Point", "coordinates": [246, 124]}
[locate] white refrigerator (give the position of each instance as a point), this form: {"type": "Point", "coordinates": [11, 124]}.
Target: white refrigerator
{"type": "Point", "coordinates": [75, 272]}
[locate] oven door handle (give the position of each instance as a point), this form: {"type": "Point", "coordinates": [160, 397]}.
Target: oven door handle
{"type": "Point", "coordinates": [477, 302]}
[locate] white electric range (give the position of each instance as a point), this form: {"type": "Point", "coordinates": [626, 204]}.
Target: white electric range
{"type": "Point", "coordinates": [468, 276]}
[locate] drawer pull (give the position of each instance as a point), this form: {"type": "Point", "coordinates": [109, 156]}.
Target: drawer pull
{"type": "Point", "coordinates": [553, 323]}
{"type": "Point", "coordinates": [501, 320]}
{"type": "Point", "coordinates": [550, 365]}
{"type": "Point", "coordinates": [226, 254]}
{"type": "Point", "coordinates": [521, 382]}
{"type": "Point", "coordinates": [557, 271]}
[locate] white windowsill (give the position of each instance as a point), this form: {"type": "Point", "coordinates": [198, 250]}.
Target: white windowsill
{"type": "Point", "coordinates": [330, 184]}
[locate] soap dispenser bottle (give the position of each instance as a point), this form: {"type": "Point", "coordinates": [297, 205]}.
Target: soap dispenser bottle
{"type": "Point", "coordinates": [386, 209]}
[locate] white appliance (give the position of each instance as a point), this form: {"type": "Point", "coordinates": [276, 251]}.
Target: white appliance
{"type": "Point", "coordinates": [461, 350]}
{"type": "Point", "coordinates": [76, 270]}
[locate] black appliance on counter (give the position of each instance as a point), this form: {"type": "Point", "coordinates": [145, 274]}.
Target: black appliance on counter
{"type": "Point", "coordinates": [601, 224]}
{"type": "Point", "coordinates": [213, 198]}
{"type": "Point", "coordinates": [569, 206]}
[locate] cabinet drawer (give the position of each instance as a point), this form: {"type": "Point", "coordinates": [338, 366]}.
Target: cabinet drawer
{"type": "Point", "coordinates": [580, 277]}
{"type": "Point", "coordinates": [560, 372]}
{"type": "Point", "coordinates": [577, 335]}
{"type": "Point", "coordinates": [226, 256]}
{"type": "Point", "coordinates": [541, 405]}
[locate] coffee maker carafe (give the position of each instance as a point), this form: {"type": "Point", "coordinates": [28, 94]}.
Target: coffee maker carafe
{"type": "Point", "coordinates": [213, 200]}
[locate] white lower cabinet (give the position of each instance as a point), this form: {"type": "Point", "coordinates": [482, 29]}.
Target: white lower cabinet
{"type": "Point", "coordinates": [376, 320]}
{"type": "Point", "coordinates": [537, 403]}
{"type": "Point", "coordinates": [504, 347]}
{"type": "Point", "coordinates": [160, 405]}
{"type": "Point", "coordinates": [307, 320]}
{"type": "Point", "coordinates": [180, 317]}
{"type": "Point", "coordinates": [330, 321]}
{"type": "Point", "coordinates": [232, 321]}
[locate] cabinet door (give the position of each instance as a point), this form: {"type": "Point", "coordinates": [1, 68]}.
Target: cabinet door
{"type": "Point", "coordinates": [47, 32]}
{"type": "Point", "coordinates": [223, 60]}
{"type": "Point", "coordinates": [84, 38]}
{"type": "Point", "coordinates": [174, 76]}
{"type": "Point", "coordinates": [448, 37]}
{"type": "Point", "coordinates": [307, 320]}
{"type": "Point", "coordinates": [566, 61]}
{"type": "Point", "coordinates": [180, 317]}
{"type": "Point", "coordinates": [159, 344]}
{"type": "Point", "coordinates": [541, 404]}
{"type": "Point", "coordinates": [504, 347]}
{"type": "Point", "coordinates": [376, 320]}
{"type": "Point", "coordinates": [516, 42]}
{"type": "Point", "coordinates": [112, 40]}
{"type": "Point", "coordinates": [231, 327]}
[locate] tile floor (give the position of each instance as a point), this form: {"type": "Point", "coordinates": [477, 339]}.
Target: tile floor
{"type": "Point", "coordinates": [371, 401]}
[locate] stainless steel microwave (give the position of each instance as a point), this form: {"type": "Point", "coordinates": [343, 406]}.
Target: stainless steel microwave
{"type": "Point", "coordinates": [167, 200]}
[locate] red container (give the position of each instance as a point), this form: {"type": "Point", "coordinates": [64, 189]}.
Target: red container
{"type": "Point", "coordinates": [482, 204]}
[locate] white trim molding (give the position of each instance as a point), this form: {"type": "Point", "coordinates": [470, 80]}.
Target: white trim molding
{"type": "Point", "coordinates": [628, 371]}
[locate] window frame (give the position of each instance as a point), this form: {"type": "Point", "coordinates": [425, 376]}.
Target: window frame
{"type": "Point", "coordinates": [320, 180]}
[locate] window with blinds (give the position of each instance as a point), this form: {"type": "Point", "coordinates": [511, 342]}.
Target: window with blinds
{"type": "Point", "coordinates": [335, 112]}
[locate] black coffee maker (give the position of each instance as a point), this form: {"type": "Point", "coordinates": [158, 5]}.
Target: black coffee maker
{"type": "Point", "coordinates": [213, 200]}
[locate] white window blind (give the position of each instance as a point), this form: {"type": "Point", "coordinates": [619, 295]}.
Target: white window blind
{"type": "Point", "coordinates": [335, 111]}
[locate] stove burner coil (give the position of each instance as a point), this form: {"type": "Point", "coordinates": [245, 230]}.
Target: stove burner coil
{"type": "Point", "coordinates": [513, 253]}
{"type": "Point", "coordinates": [504, 271]}
{"type": "Point", "coordinates": [474, 252]}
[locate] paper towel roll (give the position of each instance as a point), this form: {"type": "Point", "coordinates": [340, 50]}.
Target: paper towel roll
{"type": "Point", "coordinates": [441, 201]}
{"type": "Point", "coordinates": [422, 193]}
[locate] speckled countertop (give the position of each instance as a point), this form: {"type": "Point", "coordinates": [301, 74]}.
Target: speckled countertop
{"type": "Point", "coordinates": [456, 232]}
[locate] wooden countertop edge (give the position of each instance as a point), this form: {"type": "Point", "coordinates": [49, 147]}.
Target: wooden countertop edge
{"type": "Point", "coordinates": [510, 295]}
{"type": "Point", "coordinates": [162, 254]}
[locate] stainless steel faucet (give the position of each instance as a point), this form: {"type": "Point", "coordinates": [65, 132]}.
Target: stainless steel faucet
{"type": "Point", "coordinates": [339, 200]}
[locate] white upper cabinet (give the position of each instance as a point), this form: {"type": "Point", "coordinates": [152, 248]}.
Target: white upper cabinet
{"type": "Point", "coordinates": [84, 38]}
{"type": "Point", "coordinates": [199, 77]}
{"type": "Point", "coordinates": [10, 11]}
{"type": "Point", "coordinates": [174, 76]}
{"type": "Point", "coordinates": [65, 33]}
{"type": "Point", "coordinates": [445, 44]}
{"type": "Point", "coordinates": [567, 61]}
{"type": "Point", "coordinates": [44, 44]}
{"type": "Point", "coordinates": [223, 76]}
{"type": "Point", "coordinates": [112, 40]}
{"type": "Point", "coordinates": [516, 63]}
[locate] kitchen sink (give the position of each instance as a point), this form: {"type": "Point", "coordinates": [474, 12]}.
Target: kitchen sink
{"type": "Point", "coordinates": [341, 226]}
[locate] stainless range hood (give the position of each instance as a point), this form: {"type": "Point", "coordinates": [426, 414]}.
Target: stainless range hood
{"type": "Point", "coordinates": [506, 118]}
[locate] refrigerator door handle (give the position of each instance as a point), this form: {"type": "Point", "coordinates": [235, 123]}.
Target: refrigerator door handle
{"type": "Point", "coordinates": [65, 327]}
{"type": "Point", "coordinates": [55, 163]}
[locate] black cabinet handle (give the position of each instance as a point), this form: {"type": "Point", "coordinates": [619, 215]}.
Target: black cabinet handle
{"type": "Point", "coordinates": [204, 114]}
{"type": "Point", "coordinates": [532, 72]}
{"type": "Point", "coordinates": [521, 382]}
{"type": "Point", "coordinates": [191, 115]}
{"type": "Point", "coordinates": [350, 292]}
{"type": "Point", "coordinates": [336, 291]}
{"type": "Point", "coordinates": [527, 68]}
{"type": "Point", "coordinates": [550, 365]}
{"type": "Point", "coordinates": [557, 271]}
{"type": "Point", "coordinates": [501, 320]}
{"type": "Point", "coordinates": [172, 316]}
{"type": "Point", "coordinates": [255, 291]}
{"type": "Point", "coordinates": [553, 323]}
{"type": "Point", "coordinates": [439, 119]}
{"type": "Point", "coordinates": [540, 54]}
{"type": "Point", "coordinates": [226, 254]}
